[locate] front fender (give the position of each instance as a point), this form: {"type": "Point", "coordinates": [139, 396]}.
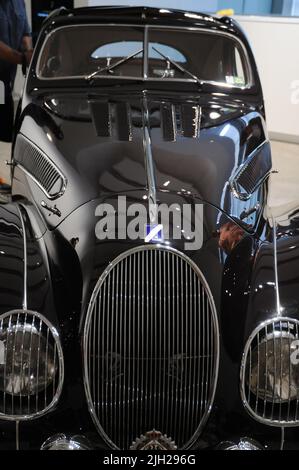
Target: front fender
{"type": "Point", "coordinates": [11, 258]}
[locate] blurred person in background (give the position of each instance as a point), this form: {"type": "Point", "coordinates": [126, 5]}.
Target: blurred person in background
{"type": "Point", "coordinates": [15, 49]}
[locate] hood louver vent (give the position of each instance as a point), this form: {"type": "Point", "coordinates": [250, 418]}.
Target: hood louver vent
{"type": "Point", "coordinates": [39, 167]}
{"type": "Point", "coordinates": [252, 173]}
{"type": "Point", "coordinates": [116, 119]}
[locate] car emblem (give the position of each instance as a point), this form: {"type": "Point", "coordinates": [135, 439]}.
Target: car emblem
{"type": "Point", "coordinates": [154, 233]}
{"type": "Point", "coordinates": [153, 440]}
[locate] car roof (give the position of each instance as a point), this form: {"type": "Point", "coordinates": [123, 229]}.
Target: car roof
{"type": "Point", "coordinates": [142, 15]}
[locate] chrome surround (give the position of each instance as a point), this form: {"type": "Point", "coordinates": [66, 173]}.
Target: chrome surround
{"type": "Point", "coordinates": [64, 179]}
{"type": "Point", "coordinates": [253, 413]}
{"type": "Point", "coordinates": [87, 327]}
{"type": "Point", "coordinates": [246, 443]}
{"type": "Point", "coordinates": [173, 119]}
{"type": "Point", "coordinates": [145, 52]}
{"type": "Point", "coordinates": [24, 259]}
{"type": "Point", "coordinates": [149, 163]}
{"type": "Point", "coordinates": [145, 78]}
{"type": "Point", "coordinates": [232, 181]}
{"type": "Point", "coordinates": [282, 438]}
{"type": "Point", "coordinates": [63, 442]}
{"type": "Point", "coordinates": [17, 435]}
{"type": "Point", "coordinates": [52, 329]}
{"type": "Point", "coordinates": [277, 294]}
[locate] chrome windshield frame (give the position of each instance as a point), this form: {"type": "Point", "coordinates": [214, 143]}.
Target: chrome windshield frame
{"type": "Point", "coordinates": [144, 77]}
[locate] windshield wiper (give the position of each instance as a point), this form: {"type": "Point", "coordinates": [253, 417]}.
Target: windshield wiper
{"type": "Point", "coordinates": [178, 66]}
{"type": "Point", "coordinates": [108, 68]}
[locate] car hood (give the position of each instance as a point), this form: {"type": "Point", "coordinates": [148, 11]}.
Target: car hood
{"type": "Point", "coordinates": [79, 236]}
{"type": "Point", "coordinates": [110, 144]}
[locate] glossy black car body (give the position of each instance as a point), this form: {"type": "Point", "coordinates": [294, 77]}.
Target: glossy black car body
{"type": "Point", "coordinates": [149, 148]}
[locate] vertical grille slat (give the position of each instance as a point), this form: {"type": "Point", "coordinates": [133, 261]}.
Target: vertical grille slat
{"type": "Point", "coordinates": [173, 389]}
{"type": "Point", "coordinates": [258, 373]}
{"type": "Point", "coordinates": [134, 322]}
{"type": "Point", "coordinates": [269, 378]}
{"type": "Point", "coordinates": [139, 328]}
{"type": "Point", "coordinates": [120, 314]}
{"type": "Point", "coordinates": [128, 347]}
{"type": "Point", "coordinates": [297, 400]}
{"type": "Point", "coordinates": [186, 393]}
{"type": "Point", "coordinates": [290, 372]}
{"type": "Point", "coordinates": [196, 340]}
{"type": "Point", "coordinates": [38, 362]}
{"type": "Point", "coordinates": [147, 338]}
{"type": "Point", "coordinates": [116, 351]}
{"type": "Point", "coordinates": [280, 377]}
{"type": "Point", "coordinates": [46, 368]}
{"type": "Point", "coordinates": [162, 332]}
{"type": "Point", "coordinates": [14, 336]}
{"type": "Point", "coordinates": [266, 371]}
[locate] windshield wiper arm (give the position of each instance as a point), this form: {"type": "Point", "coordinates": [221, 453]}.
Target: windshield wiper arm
{"type": "Point", "coordinates": [108, 68]}
{"type": "Point", "coordinates": [178, 66]}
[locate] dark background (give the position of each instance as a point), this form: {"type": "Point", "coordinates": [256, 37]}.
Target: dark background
{"type": "Point", "coordinates": [40, 10]}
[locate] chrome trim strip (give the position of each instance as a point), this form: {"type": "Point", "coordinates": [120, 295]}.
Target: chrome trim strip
{"type": "Point", "coordinates": [64, 442]}
{"type": "Point", "coordinates": [151, 79]}
{"type": "Point", "coordinates": [17, 435]}
{"type": "Point", "coordinates": [64, 179]}
{"type": "Point", "coordinates": [54, 332]}
{"type": "Point", "coordinates": [149, 163]}
{"type": "Point", "coordinates": [278, 305]}
{"type": "Point", "coordinates": [149, 26]}
{"type": "Point", "coordinates": [25, 260]}
{"type": "Point", "coordinates": [245, 443]}
{"type": "Point", "coordinates": [168, 124]}
{"type": "Point", "coordinates": [261, 419]}
{"type": "Point", "coordinates": [140, 250]}
{"type": "Point", "coordinates": [282, 438]}
{"type": "Point", "coordinates": [145, 53]}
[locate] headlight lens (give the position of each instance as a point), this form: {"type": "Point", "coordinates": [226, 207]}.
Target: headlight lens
{"type": "Point", "coordinates": [271, 373]}
{"type": "Point", "coordinates": [29, 361]}
{"type": "Point", "coordinates": [31, 365]}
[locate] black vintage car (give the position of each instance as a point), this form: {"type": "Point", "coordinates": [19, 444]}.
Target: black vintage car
{"type": "Point", "coordinates": [147, 301]}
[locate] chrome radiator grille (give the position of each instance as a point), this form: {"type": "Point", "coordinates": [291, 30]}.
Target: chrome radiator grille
{"type": "Point", "coordinates": [270, 373]}
{"type": "Point", "coordinates": [151, 348]}
{"type": "Point", "coordinates": [31, 365]}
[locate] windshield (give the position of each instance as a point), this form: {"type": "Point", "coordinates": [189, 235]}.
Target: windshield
{"type": "Point", "coordinates": [99, 51]}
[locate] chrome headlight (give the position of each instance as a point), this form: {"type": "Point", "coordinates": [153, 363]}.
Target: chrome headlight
{"type": "Point", "coordinates": [31, 365]}
{"type": "Point", "coordinates": [270, 373]}
{"type": "Point", "coordinates": [28, 362]}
